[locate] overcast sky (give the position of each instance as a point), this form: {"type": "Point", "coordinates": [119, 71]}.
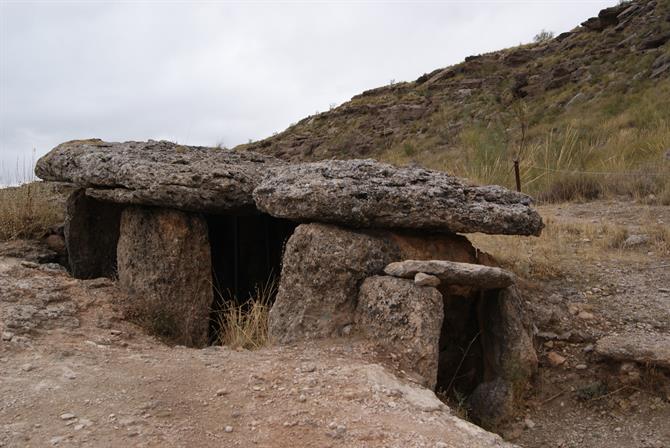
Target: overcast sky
{"type": "Point", "coordinates": [212, 72]}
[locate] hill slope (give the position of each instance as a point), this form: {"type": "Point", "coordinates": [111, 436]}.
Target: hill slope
{"type": "Point", "coordinates": [593, 99]}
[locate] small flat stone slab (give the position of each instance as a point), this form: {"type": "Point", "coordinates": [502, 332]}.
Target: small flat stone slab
{"type": "Point", "coordinates": [366, 193]}
{"type": "Point", "coordinates": [453, 273]}
{"type": "Point", "coordinates": [644, 348]}
{"type": "Point", "coordinates": [158, 173]}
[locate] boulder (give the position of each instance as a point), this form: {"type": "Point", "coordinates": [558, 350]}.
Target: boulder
{"type": "Point", "coordinates": [324, 265]}
{"type": "Point", "coordinates": [91, 235]}
{"type": "Point", "coordinates": [164, 264]}
{"type": "Point", "coordinates": [655, 41]}
{"type": "Point", "coordinates": [610, 16]}
{"type": "Point", "coordinates": [322, 268]}
{"type": "Point", "coordinates": [490, 403]}
{"type": "Point", "coordinates": [366, 193]}
{"type": "Point", "coordinates": [593, 24]}
{"type": "Point", "coordinates": [451, 272]}
{"type": "Point", "coordinates": [403, 319]}
{"type": "Point", "coordinates": [607, 17]}
{"type": "Point", "coordinates": [652, 349]}
{"type": "Point", "coordinates": [155, 173]}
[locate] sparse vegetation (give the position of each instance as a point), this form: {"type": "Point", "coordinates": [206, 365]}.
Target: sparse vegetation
{"type": "Point", "coordinates": [244, 325]}
{"type": "Point", "coordinates": [553, 254]}
{"type": "Point", "coordinates": [543, 36]}
{"type": "Point", "coordinates": [605, 149]}
{"type": "Point", "coordinates": [28, 211]}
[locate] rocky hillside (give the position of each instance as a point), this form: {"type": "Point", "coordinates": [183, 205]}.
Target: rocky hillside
{"type": "Point", "coordinates": [590, 99]}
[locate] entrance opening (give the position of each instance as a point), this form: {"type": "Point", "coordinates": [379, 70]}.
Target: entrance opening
{"type": "Point", "coordinates": [461, 363]}
{"type": "Point", "coordinates": [246, 256]}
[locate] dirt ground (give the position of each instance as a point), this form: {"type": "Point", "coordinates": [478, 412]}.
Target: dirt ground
{"type": "Point", "coordinates": [73, 373]}
{"type": "Point", "coordinates": [589, 401]}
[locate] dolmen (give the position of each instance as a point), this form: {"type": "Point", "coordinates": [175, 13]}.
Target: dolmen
{"type": "Point", "coordinates": [359, 248]}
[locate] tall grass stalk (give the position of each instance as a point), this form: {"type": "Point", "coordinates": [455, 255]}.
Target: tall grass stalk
{"type": "Point", "coordinates": [244, 325]}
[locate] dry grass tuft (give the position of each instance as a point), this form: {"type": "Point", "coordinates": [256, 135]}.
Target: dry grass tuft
{"type": "Point", "coordinates": [565, 247]}
{"type": "Point", "coordinates": [245, 325]}
{"type": "Point", "coordinates": [28, 211]}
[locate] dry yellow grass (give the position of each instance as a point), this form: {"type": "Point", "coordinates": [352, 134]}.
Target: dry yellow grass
{"type": "Point", "coordinates": [245, 325]}
{"type": "Point", "coordinates": [566, 246]}
{"type": "Point", "coordinates": [27, 211]}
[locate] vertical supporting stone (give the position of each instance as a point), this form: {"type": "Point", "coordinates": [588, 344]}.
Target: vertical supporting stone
{"type": "Point", "coordinates": [324, 265]}
{"type": "Point", "coordinates": [509, 356]}
{"type": "Point", "coordinates": [404, 319]}
{"type": "Point", "coordinates": [508, 349]}
{"type": "Point", "coordinates": [164, 263]}
{"type": "Point", "coordinates": [322, 269]}
{"type": "Point", "coordinates": [91, 235]}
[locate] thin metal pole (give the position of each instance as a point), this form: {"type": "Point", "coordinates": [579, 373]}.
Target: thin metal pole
{"type": "Point", "coordinates": [236, 248]}
{"type": "Point", "coordinates": [517, 176]}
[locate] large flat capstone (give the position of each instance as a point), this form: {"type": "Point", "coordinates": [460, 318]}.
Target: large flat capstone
{"type": "Point", "coordinates": [355, 193]}
{"type": "Point", "coordinates": [366, 193]}
{"type": "Point", "coordinates": [158, 173]}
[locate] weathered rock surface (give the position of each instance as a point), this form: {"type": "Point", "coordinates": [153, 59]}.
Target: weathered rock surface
{"type": "Point", "coordinates": [451, 272]}
{"type": "Point", "coordinates": [91, 236]}
{"type": "Point", "coordinates": [30, 302]}
{"type": "Point", "coordinates": [507, 346]}
{"type": "Point", "coordinates": [366, 193]}
{"type": "Point", "coordinates": [324, 265]}
{"type": "Point", "coordinates": [403, 319]}
{"type": "Point", "coordinates": [645, 348]}
{"type": "Point", "coordinates": [158, 173]}
{"type": "Point", "coordinates": [29, 250]}
{"type": "Point", "coordinates": [421, 279]}
{"type": "Point", "coordinates": [491, 402]}
{"type": "Point", "coordinates": [164, 264]}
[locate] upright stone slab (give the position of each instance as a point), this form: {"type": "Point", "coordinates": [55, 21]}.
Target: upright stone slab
{"type": "Point", "coordinates": [404, 319]}
{"type": "Point", "coordinates": [509, 356]}
{"type": "Point", "coordinates": [91, 236]}
{"type": "Point", "coordinates": [322, 269]}
{"type": "Point", "coordinates": [164, 263]}
{"type": "Point", "coordinates": [324, 265]}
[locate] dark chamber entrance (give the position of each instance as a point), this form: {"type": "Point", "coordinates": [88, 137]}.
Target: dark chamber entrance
{"type": "Point", "coordinates": [246, 255]}
{"type": "Point", "coordinates": [461, 360]}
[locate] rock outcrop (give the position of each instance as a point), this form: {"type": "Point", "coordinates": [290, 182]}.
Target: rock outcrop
{"type": "Point", "coordinates": [404, 319]}
{"type": "Point", "coordinates": [644, 348]}
{"type": "Point", "coordinates": [454, 273]}
{"type": "Point", "coordinates": [164, 264]}
{"type": "Point", "coordinates": [366, 193]}
{"type": "Point", "coordinates": [160, 173]}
